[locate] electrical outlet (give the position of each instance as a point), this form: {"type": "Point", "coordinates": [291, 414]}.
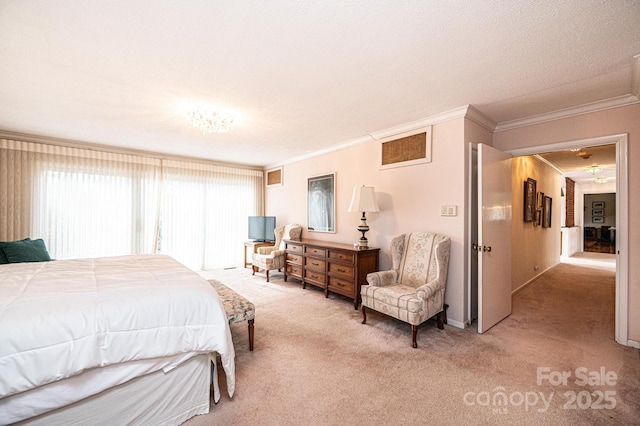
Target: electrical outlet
{"type": "Point", "coordinates": [448, 210]}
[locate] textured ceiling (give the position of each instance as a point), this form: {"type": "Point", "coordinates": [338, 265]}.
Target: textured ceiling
{"type": "Point", "coordinates": [300, 76]}
{"type": "Point", "coordinates": [573, 164]}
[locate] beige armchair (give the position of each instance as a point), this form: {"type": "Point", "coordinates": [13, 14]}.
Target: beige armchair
{"type": "Point", "coordinates": [413, 291]}
{"type": "Point", "coordinates": [272, 257]}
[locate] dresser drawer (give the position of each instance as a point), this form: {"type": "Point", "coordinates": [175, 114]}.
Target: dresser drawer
{"type": "Point", "coordinates": [342, 256]}
{"type": "Point", "coordinates": [341, 286]}
{"type": "Point", "coordinates": [294, 248]}
{"type": "Point", "coordinates": [294, 258]}
{"type": "Point", "coordinates": [316, 251]}
{"type": "Point", "coordinates": [294, 271]}
{"type": "Point", "coordinates": [316, 264]}
{"type": "Point", "coordinates": [315, 277]}
{"type": "Point", "coordinates": [343, 270]}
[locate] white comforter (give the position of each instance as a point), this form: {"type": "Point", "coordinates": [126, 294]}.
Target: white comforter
{"type": "Point", "coordinates": [60, 318]}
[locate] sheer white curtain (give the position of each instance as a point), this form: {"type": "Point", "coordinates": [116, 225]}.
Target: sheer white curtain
{"type": "Point", "coordinates": [204, 212]}
{"type": "Point", "coordinates": [88, 203]}
{"type": "Point", "coordinates": [83, 203]}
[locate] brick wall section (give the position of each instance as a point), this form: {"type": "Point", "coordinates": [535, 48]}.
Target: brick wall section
{"type": "Point", "coordinates": [570, 198]}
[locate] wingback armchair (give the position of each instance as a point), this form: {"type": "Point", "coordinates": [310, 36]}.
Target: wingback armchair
{"type": "Point", "coordinates": [272, 257]}
{"type": "Point", "coordinates": [413, 291]}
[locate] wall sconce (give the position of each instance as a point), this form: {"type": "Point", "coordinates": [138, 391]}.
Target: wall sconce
{"type": "Point", "coordinates": [363, 200]}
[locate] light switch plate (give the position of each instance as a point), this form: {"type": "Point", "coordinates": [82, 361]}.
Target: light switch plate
{"type": "Point", "coordinates": [448, 210]}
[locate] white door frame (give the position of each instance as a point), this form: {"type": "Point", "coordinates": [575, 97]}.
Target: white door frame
{"type": "Point", "coordinates": [622, 220]}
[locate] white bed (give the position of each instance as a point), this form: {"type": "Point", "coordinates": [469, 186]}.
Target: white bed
{"type": "Point", "coordinates": [78, 336]}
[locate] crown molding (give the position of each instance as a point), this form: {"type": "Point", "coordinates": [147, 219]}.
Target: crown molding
{"type": "Point", "coordinates": [460, 112]}
{"type": "Point", "coordinates": [333, 148]}
{"type": "Point", "coordinates": [616, 102]}
{"type": "Point", "coordinates": [481, 119]}
{"type": "Point", "coordinates": [423, 122]}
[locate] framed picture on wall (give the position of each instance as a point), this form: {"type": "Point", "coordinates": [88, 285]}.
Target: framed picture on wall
{"type": "Point", "coordinates": [599, 212]}
{"type": "Point", "coordinates": [546, 212]}
{"type": "Point", "coordinates": [597, 205]}
{"type": "Point", "coordinates": [598, 219]}
{"type": "Point", "coordinates": [530, 200]}
{"type": "Point", "coordinates": [321, 194]}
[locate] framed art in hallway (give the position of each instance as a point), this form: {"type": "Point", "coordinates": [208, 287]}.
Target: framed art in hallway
{"type": "Point", "coordinates": [546, 212]}
{"type": "Point", "coordinates": [597, 205]}
{"type": "Point", "coordinates": [599, 212]}
{"type": "Point", "coordinates": [530, 200]}
{"type": "Point", "coordinates": [598, 220]}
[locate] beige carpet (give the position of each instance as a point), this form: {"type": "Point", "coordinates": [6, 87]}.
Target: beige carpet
{"type": "Point", "coordinates": [315, 363]}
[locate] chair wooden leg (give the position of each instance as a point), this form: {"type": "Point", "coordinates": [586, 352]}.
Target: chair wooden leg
{"type": "Point", "coordinates": [251, 335]}
{"type": "Point", "coordinates": [440, 318]}
{"type": "Point", "coordinates": [414, 334]}
{"type": "Point", "coordinates": [267, 275]}
{"type": "Point", "coordinates": [364, 314]}
{"type": "Point", "coordinates": [253, 270]}
{"type": "Point", "coordinates": [445, 312]}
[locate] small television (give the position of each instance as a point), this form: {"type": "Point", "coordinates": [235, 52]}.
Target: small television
{"type": "Point", "coordinates": [261, 228]}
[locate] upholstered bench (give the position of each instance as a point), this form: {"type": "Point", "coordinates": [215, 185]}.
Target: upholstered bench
{"type": "Point", "coordinates": [237, 308]}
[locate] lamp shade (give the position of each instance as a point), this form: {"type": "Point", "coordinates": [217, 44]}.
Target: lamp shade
{"type": "Point", "coordinates": [363, 200]}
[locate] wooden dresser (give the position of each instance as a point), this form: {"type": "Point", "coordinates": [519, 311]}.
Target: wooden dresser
{"type": "Point", "coordinates": [337, 268]}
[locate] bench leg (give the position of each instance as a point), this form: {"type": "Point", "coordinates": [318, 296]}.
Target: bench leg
{"type": "Point", "coordinates": [250, 334]}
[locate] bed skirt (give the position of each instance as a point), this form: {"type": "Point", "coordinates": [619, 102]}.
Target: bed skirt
{"type": "Point", "coordinates": [157, 398]}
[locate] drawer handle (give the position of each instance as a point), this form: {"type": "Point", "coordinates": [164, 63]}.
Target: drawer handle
{"type": "Point", "coordinates": [315, 263]}
{"type": "Point", "coordinates": [342, 270]}
{"type": "Point", "coordinates": [340, 284]}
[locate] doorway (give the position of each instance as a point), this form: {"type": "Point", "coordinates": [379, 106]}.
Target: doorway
{"type": "Point", "coordinates": [599, 219]}
{"type": "Point", "coordinates": [621, 238]}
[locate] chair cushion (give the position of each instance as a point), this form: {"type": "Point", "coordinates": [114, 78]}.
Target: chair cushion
{"type": "Point", "coordinates": [269, 262]}
{"type": "Point", "coordinates": [418, 266]}
{"type": "Point", "coordinates": [397, 296]}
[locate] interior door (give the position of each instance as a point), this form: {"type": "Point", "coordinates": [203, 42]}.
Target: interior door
{"type": "Point", "coordinates": [494, 236]}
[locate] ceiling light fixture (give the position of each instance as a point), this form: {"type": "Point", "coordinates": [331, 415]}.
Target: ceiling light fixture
{"type": "Point", "coordinates": [584, 155]}
{"type": "Point", "coordinates": [593, 170]}
{"type": "Point", "coordinates": [210, 121]}
{"type": "Point", "coordinates": [601, 180]}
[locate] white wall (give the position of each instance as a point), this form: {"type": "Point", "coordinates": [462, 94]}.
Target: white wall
{"type": "Point", "coordinates": [409, 199]}
{"type": "Point", "coordinates": [534, 249]}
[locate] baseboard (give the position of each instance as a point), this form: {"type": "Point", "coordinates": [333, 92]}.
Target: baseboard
{"type": "Point", "coordinates": [630, 343]}
{"type": "Point", "coordinates": [455, 323]}
{"type": "Point", "coordinates": [526, 284]}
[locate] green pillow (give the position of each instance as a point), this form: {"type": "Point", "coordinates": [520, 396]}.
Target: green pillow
{"type": "Point", "coordinates": [26, 251]}
{"type": "Point", "coordinates": [3, 257]}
